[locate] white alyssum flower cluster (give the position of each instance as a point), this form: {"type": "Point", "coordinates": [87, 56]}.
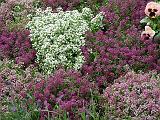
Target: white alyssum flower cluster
{"type": "Point", "coordinates": [58, 37]}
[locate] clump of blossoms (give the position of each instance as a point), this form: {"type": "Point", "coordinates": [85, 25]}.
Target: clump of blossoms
{"type": "Point", "coordinates": [135, 96]}
{"type": "Point", "coordinates": [13, 80]}
{"type": "Point", "coordinates": [65, 4]}
{"type": "Point", "coordinates": [58, 37]}
{"type": "Point", "coordinates": [122, 14]}
{"type": "Point", "coordinates": [74, 4]}
{"type": "Point", "coordinates": [118, 44]}
{"type": "Point", "coordinates": [5, 14]}
{"type": "Point", "coordinates": [17, 46]}
{"type": "Point", "coordinates": [64, 91]}
{"type": "Point", "coordinates": [13, 13]}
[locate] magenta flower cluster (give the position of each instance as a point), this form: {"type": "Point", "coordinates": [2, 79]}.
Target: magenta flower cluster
{"type": "Point", "coordinates": [72, 4]}
{"type": "Point", "coordinates": [17, 46]}
{"type": "Point", "coordinates": [135, 95]}
{"type": "Point", "coordinates": [118, 43]}
{"type": "Point", "coordinates": [65, 4]}
{"type": "Point", "coordinates": [106, 78]}
{"type": "Point", "coordinates": [69, 90]}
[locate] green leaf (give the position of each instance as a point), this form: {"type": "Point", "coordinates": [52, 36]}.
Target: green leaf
{"type": "Point", "coordinates": [83, 116]}
{"type": "Point", "coordinates": [158, 35]}
{"type": "Point", "coordinates": [145, 20]}
{"type": "Point", "coordinates": [65, 116]}
{"type": "Point", "coordinates": [154, 26]}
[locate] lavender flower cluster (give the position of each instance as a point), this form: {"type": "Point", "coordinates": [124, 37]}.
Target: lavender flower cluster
{"type": "Point", "coordinates": [73, 4]}
{"type": "Point", "coordinates": [63, 91]}
{"type": "Point", "coordinates": [13, 80]}
{"type": "Point", "coordinates": [17, 46]}
{"type": "Point", "coordinates": [123, 13]}
{"type": "Point", "coordinates": [104, 86]}
{"type": "Point", "coordinates": [65, 4]}
{"type": "Point", "coordinates": [13, 13]}
{"type": "Point", "coordinates": [118, 44]}
{"type": "Point", "coordinates": [136, 96]}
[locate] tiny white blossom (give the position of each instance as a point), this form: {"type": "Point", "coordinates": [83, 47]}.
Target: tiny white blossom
{"type": "Point", "coordinates": [58, 37]}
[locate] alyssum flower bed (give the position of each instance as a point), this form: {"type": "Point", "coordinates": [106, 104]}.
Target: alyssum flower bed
{"type": "Point", "coordinates": [79, 59]}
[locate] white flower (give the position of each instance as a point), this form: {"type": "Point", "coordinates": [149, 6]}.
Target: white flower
{"type": "Point", "coordinates": [57, 37]}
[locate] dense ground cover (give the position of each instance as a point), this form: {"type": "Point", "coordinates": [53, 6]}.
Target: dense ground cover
{"type": "Point", "coordinates": [79, 59]}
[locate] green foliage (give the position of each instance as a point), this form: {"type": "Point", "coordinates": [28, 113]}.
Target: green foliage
{"type": "Point", "coordinates": [153, 23]}
{"type": "Point", "coordinates": [17, 112]}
